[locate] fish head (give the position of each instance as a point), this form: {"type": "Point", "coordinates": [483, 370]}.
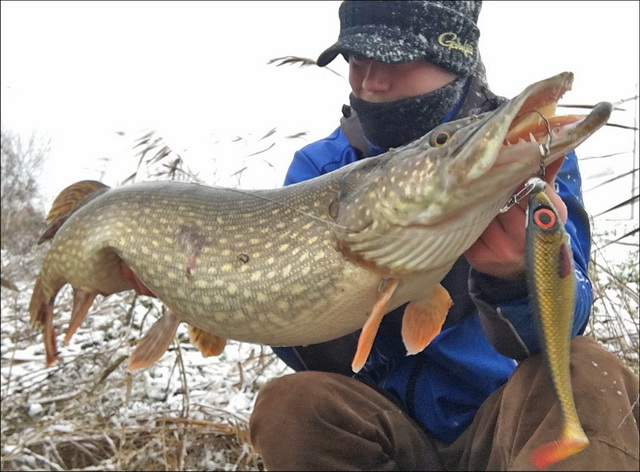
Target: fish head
{"type": "Point", "coordinates": [425, 203]}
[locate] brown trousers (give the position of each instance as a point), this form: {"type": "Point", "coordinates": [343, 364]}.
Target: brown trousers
{"type": "Point", "coordinates": [321, 421]}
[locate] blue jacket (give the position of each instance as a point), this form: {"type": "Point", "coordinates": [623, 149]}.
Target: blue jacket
{"type": "Point", "coordinates": [489, 328]}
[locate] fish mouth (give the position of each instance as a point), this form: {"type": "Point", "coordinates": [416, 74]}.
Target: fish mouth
{"type": "Point", "coordinates": [524, 132]}
{"type": "Point", "coordinates": [537, 115]}
{"type": "Point", "coordinates": [537, 123]}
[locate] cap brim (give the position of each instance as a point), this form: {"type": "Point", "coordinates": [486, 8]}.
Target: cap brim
{"type": "Point", "coordinates": [375, 45]}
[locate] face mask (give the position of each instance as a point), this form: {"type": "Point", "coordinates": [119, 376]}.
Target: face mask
{"type": "Point", "coordinates": [393, 124]}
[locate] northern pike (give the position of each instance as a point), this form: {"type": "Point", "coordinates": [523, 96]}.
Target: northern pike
{"type": "Point", "coordinates": [552, 285]}
{"type": "Point", "coordinates": [309, 262]}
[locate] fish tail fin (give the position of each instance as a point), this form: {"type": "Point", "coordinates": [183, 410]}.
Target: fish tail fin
{"type": "Point", "coordinates": [41, 316]}
{"type": "Point", "coordinates": [572, 441]}
{"type": "Point", "coordinates": [67, 202]}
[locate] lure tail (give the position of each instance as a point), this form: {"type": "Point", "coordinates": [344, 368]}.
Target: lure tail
{"type": "Point", "coordinates": [572, 441]}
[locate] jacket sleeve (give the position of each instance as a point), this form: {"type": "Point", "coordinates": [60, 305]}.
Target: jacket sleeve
{"type": "Point", "coordinates": [320, 157]}
{"type": "Point", "coordinates": [504, 308]}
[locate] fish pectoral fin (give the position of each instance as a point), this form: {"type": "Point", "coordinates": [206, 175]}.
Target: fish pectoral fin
{"type": "Point", "coordinates": [370, 328]}
{"type": "Point", "coordinates": [208, 343]}
{"type": "Point", "coordinates": [423, 319]}
{"type": "Point", "coordinates": [82, 301]}
{"type": "Point", "coordinates": [155, 342]}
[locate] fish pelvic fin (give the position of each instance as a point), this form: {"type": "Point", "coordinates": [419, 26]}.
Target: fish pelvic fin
{"type": "Point", "coordinates": [67, 202]}
{"type": "Point", "coordinates": [423, 319]}
{"type": "Point", "coordinates": [572, 441]}
{"type": "Point", "coordinates": [155, 342]}
{"type": "Point", "coordinates": [208, 343]}
{"type": "Point", "coordinates": [370, 328]}
{"type": "Point", "coordinates": [41, 316]}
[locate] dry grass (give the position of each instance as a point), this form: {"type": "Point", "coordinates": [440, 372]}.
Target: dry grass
{"type": "Point", "coordinates": [88, 412]}
{"type": "Point", "coordinates": [614, 320]}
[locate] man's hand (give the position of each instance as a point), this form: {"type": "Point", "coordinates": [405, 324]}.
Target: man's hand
{"type": "Point", "coordinates": [500, 250]}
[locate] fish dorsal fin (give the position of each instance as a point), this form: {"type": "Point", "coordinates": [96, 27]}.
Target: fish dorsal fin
{"type": "Point", "coordinates": [67, 202]}
{"type": "Point", "coordinates": [155, 342]}
{"type": "Point", "coordinates": [208, 343]}
{"type": "Point", "coordinates": [423, 319]}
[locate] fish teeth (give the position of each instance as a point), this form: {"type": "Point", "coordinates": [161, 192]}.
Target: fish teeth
{"type": "Point", "coordinates": [533, 138]}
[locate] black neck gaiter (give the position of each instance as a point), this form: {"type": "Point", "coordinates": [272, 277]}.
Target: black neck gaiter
{"type": "Point", "coordinates": [393, 124]}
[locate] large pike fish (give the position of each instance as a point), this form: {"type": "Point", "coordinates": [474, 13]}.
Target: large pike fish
{"type": "Point", "coordinates": [309, 262]}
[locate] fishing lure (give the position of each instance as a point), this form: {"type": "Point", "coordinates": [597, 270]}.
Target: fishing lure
{"type": "Point", "coordinates": [551, 283]}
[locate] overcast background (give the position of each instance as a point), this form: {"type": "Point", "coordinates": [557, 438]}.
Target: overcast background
{"type": "Point", "coordinates": [93, 76]}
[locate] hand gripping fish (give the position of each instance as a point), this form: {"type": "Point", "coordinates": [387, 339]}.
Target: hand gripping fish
{"type": "Point", "coordinates": [551, 282]}
{"type": "Point", "coordinates": [309, 262]}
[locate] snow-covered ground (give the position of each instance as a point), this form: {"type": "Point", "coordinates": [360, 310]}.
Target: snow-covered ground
{"type": "Point", "coordinates": [87, 411]}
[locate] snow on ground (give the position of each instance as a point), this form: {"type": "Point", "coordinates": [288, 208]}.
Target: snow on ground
{"type": "Point", "coordinates": [88, 411]}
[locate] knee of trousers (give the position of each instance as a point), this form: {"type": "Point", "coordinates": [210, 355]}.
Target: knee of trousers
{"type": "Point", "coordinates": [605, 391]}
{"type": "Point", "coordinates": [295, 405]}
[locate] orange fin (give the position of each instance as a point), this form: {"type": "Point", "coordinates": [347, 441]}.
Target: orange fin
{"type": "Point", "coordinates": [50, 346]}
{"type": "Point", "coordinates": [155, 342]}
{"type": "Point", "coordinates": [67, 202]}
{"type": "Point", "coordinates": [572, 441]}
{"type": "Point", "coordinates": [208, 343]}
{"type": "Point", "coordinates": [423, 319]}
{"type": "Point", "coordinates": [82, 301]}
{"type": "Point", "coordinates": [41, 316]}
{"type": "Point", "coordinates": [370, 328]}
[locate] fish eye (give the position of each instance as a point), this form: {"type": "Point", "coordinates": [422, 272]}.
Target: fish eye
{"type": "Point", "coordinates": [440, 138]}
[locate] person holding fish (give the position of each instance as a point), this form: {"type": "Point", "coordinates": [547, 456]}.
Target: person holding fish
{"type": "Point", "coordinates": [478, 397]}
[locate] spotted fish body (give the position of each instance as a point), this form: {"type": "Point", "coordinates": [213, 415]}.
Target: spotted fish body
{"type": "Point", "coordinates": [552, 285]}
{"type": "Point", "coordinates": [312, 261]}
{"type": "Point", "coordinates": [219, 258]}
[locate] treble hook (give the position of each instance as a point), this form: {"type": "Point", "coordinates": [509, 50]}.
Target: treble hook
{"type": "Point", "coordinates": [545, 149]}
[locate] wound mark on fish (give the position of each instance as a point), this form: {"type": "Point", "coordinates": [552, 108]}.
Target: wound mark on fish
{"type": "Point", "coordinates": [244, 258]}
{"type": "Point", "coordinates": [192, 242]}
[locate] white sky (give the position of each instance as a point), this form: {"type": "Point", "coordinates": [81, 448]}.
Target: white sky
{"type": "Point", "coordinates": [197, 72]}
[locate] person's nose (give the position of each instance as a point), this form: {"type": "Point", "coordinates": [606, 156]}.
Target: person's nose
{"type": "Point", "coordinates": [376, 78]}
